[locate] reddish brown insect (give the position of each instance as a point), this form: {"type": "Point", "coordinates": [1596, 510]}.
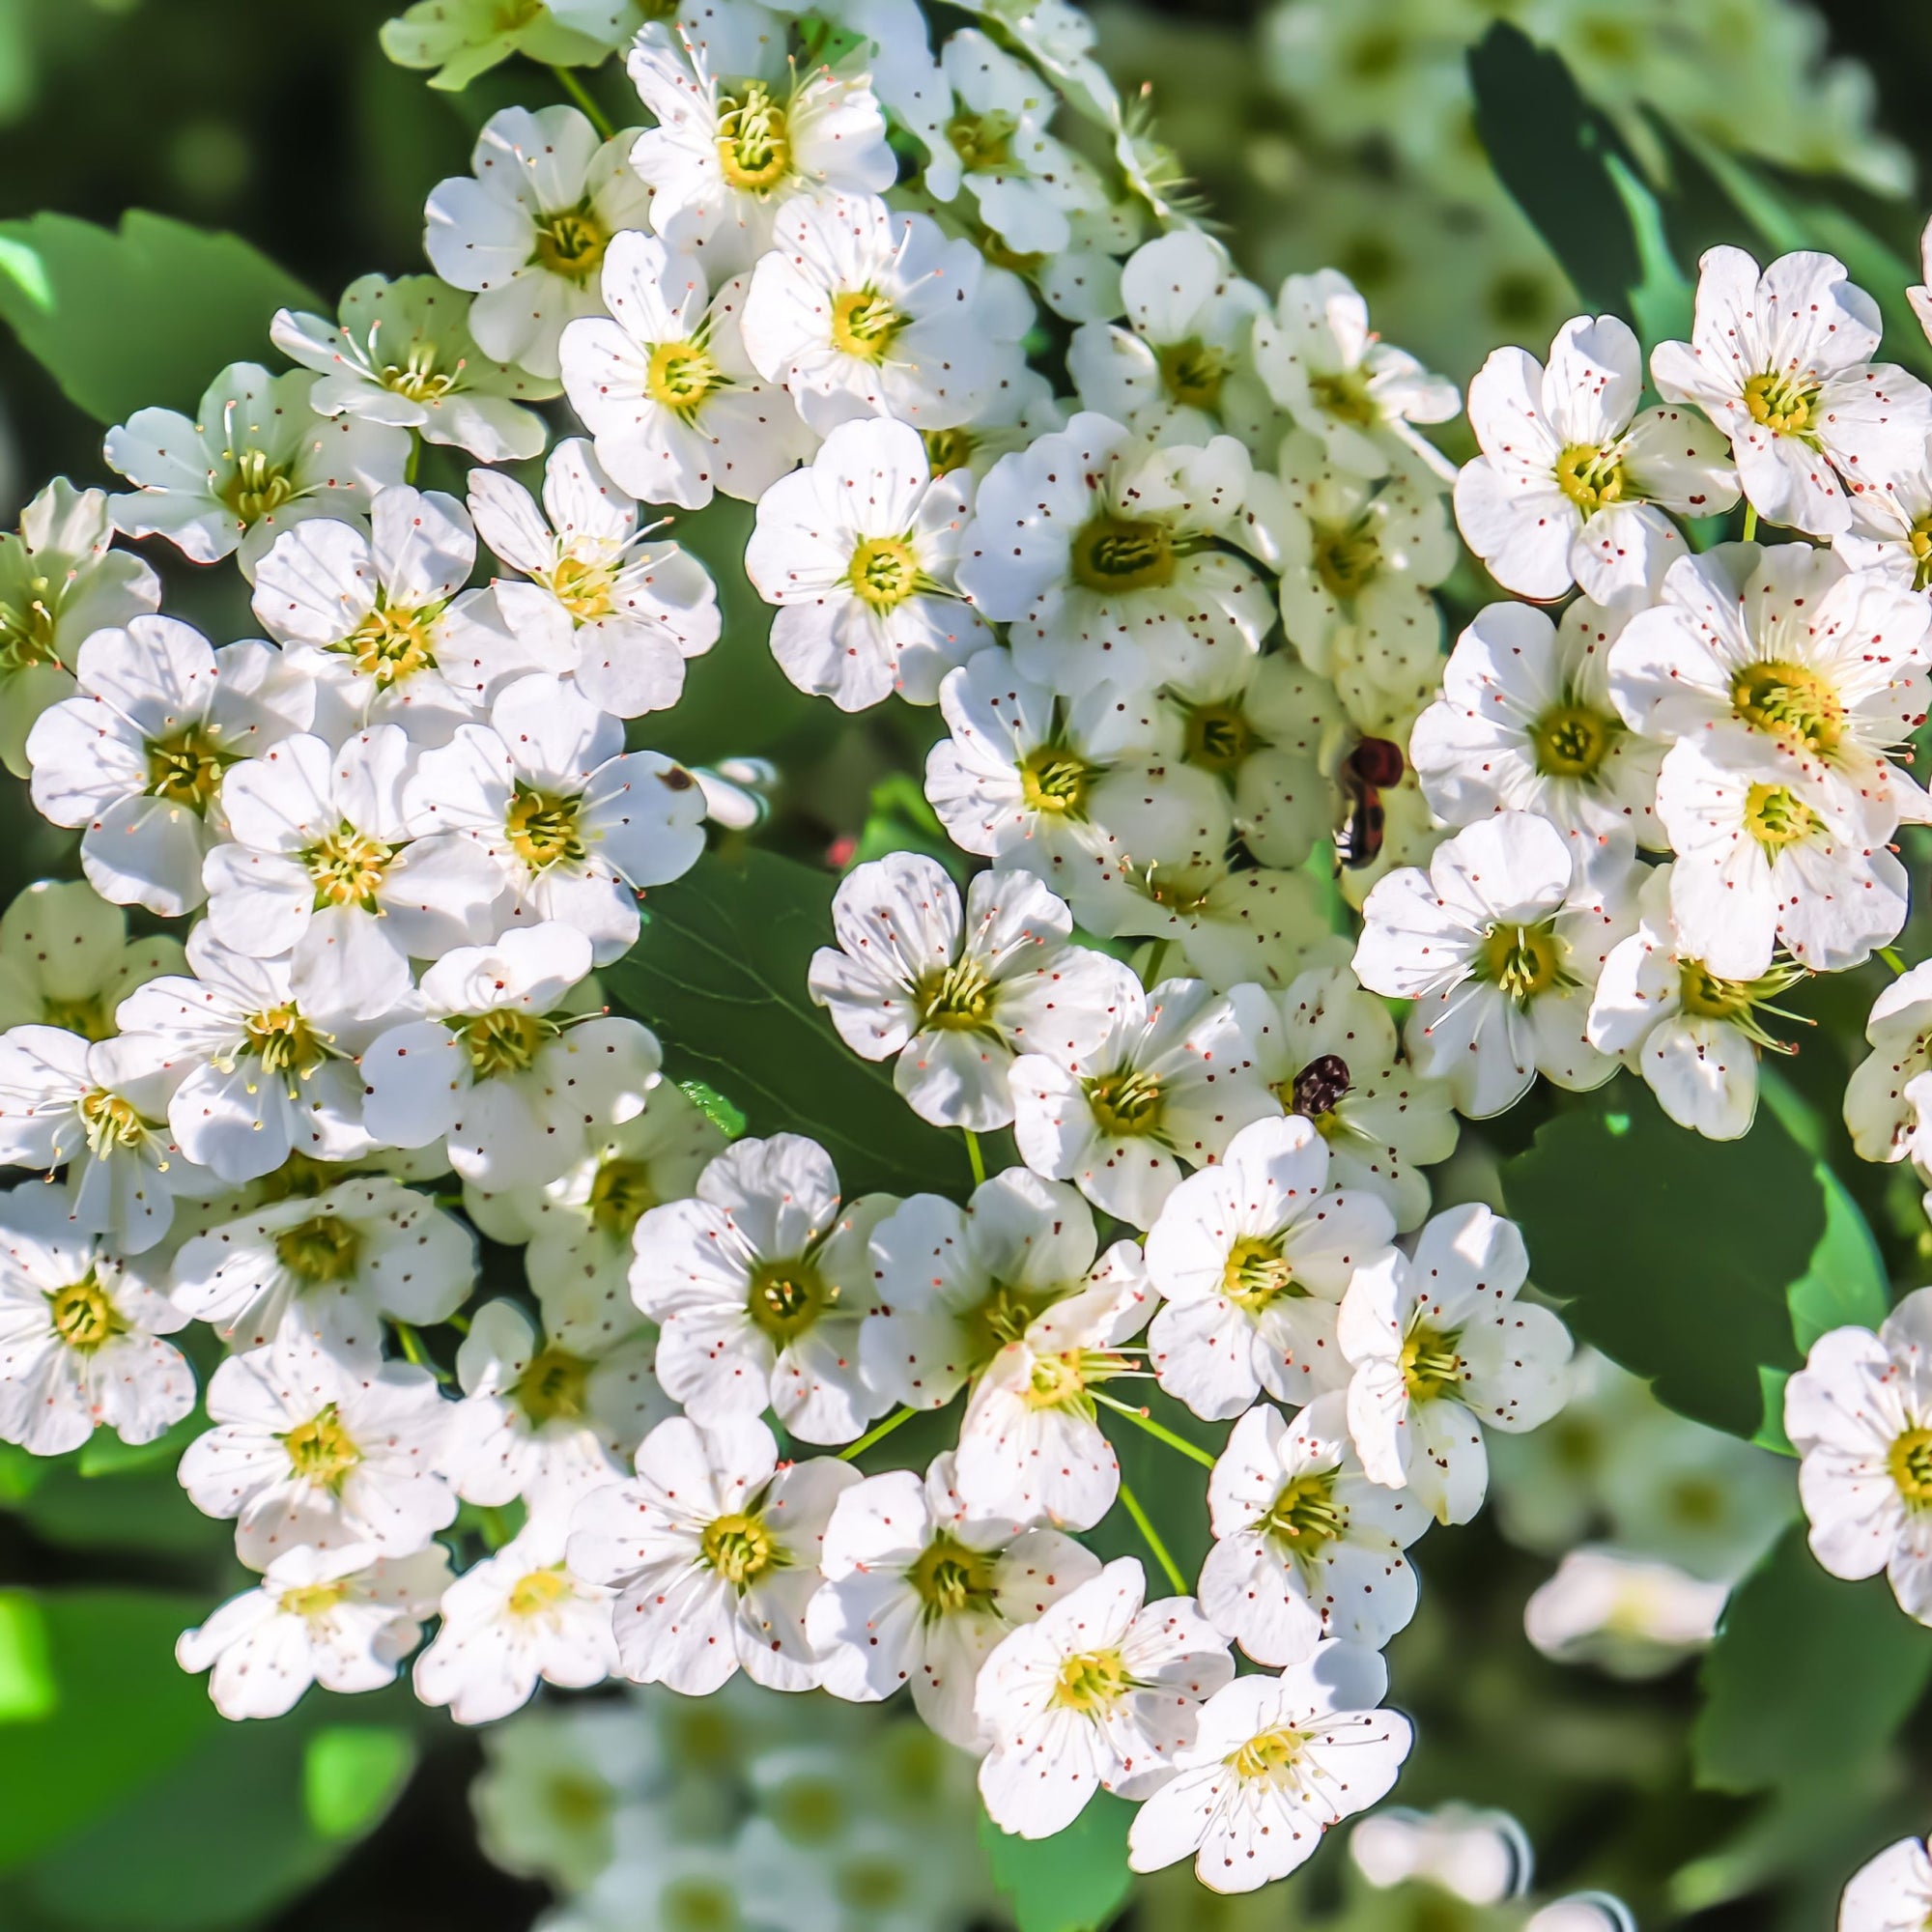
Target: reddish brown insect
{"type": "Point", "coordinates": [1368, 771]}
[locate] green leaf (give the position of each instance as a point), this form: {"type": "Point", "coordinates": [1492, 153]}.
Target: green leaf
{"type": "Point", "coordinates": [720, 974]}
{"type": "Point", "coordinates": [351, 1775]}
{"type": "Point", "coordinates": [27, 1688]}
{"type": "Point", "coordinates": [1809, 1676]}
{"type": "Point", "coordinates": [1663, 303]}
{"type": "Point", "coordinates": [105, 1454]}
{"type": "Point", "coordinates": [1845, 1284]}
{"type": "Point", "coordinates": [1072, 1881]}
{"type": "Point", "coordinates": [1672, 1252]}
{"type": "Point", "coordinates": [148, 315]}
{"type": "Point", "coordinates": [900, 820]}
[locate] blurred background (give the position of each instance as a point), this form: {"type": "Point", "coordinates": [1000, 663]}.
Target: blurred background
{"type": "Point", "coordinates": [1552, 1668]}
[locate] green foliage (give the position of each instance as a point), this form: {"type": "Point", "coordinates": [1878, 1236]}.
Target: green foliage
{"type": "Point", "coordinates": [145, 314]}
{"type": "Point", "coordinates": [351, 1775]}
{"type": "Point", "coordinates": [27, 1688]}
{"type": "Point", "coordinates": [1072, 1882]}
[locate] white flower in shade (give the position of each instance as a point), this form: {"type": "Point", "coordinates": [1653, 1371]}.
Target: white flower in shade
{"type": "Point", "coordinates": [1887, 1103]}
{"type": "Point", "coordinates": [502, 1070]}
{"type": "Point", "coordinates": [1499, 945]}
{"type": "Point", "coordinates": [1480, 1855]}
{"type": "Point", "coordinates": [1251, 1257]}
{"type": "Point", "coordinates": [61, 1106]}
{"type": "Point", "coordinates": [80, 1342]}
{"type": "Point", "coordinates": [1171, 1080]}
{"type": "Point", "coordinates": [1109, 556]}
{"type": "Point", "coordinates": [1694, 1036]}
{"type": "Point", "coordinates": [575, 825]}
{"type": "Point", "coordinates": [1305, 1545]}
{"type": "Point", "coordinates": [1892, 1892]}
{"type": "Point", "coordinates": [1181, 372]}
{"type": "Point", "coordinates": [1859, 1415]}
{"type": "Point", "coordinates": [314, 1447]}
{"type": "Point", "coordinates": [1526, 722]}
{"type": "Point", "coordinates": [1632, 1616]}
{"type": "Point", "coordinates": [402, 354]}
{"type": "Point", "coordinates": [860, 311]}
{"type": "Point", "coordinates": [514, 1619]}
{"type": "Point", "coordinates": [1784, 657]}
{"type": "Point", "coordinates": [462, 39]}
{"type": "Point", "coordinates": [732, 149]}
{"type": "Point", "coordinates": [59, 583]}
{"type": "Point", "coordinates": [256, 460]}
{"type": "Point", "coordinates": [1274, 1762]}
{"type": "Point", "coordinates": [1442, 1348]}
{"type": "Point", "coordinates": [666, 387]}
{"type": "Point", "coordinates": [1781, 362]}
{"type": "Point", "coordinates": [919, 1589]}
{"type": "Point", "coordinates": [249, 1073]}
{"type": "Point", "coordinates": [1891, 517]}
{"type": "Point", "coordinates": [858, 552]}
{"type": "Point", "coordinates": [1765, 860]}
{"type": "Point", "coordinates": [955, 996]}
{"type": "Point", "coordinates": [1573, 484]}
{"type": "Point", "coordinates": [137, 756]}
{"type": "Point", "coordinates": [1031, 1445]}
{"type": "Point", "coordinates": [1340, 382]}
{"type": "Point", "coordinates": [713, 1549]}
{"type": "Point", "coordinates": [546, 1420]}
{"type": "Point", "coordinates": [759, 1285]}
{"type": "Point", "coordinates": [334, 1617]}
{"type": "Point", "coordinates": [340, 1262]}
{"type": "Point", "coordinates": [618, 612]}
{"type": "Point", "coordinates": [526, 230]}
{"type": "Point", "coordinates": [1329, 1053]}
{"type": "Point", "coordinates": [66, 959]}
{"type": "Point", "coordinates": [320, 864]}
{"type": "Point", "coordinates": [1100, 1694]}
{"type": "Point", "coordinates": [1583, 1912]}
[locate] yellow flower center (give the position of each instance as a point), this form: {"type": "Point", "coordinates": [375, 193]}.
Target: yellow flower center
{"type": "Point", "coordinates": [284, 1043]}
{"type": "Point", "coordinates": [392, 644]}
{"type": "Point", "coordinates": [1431, 1366]}
{"type": "Point", "coordinates": [89, 1016]}
{"type": "Point", "coordinates": [505, 1040]}
{"type": "Point", "coordinates": [620, 1195]}
{"type": "Point", "coordinates": [1266, 1756]}
{"type": "Point", "coordinates": [957, 999]}
{"type": "Point", "coordinates": [348, 868]}
{"type": "Point", "coordinates": [1775, 816]}
{"type": "Point", "coordinates": [740, 1549]}
{"type": "Point", "coordinates": [1304, 1516]}
{"type": "Point", "coordinates": [884, 572]}
{"type": "Point", "coordinates": [1119, 553]}
{"type": "Point", "coordinates": [1257, 1272]}
{"type": "Point", "coordinates": [418, 377]}
{"type": "Point", "coordinates": [1219, 738]}
{"type": "Point", "coordinates": [983, 142]}
{"type": "Point", "coordinates": [83, 1316]}
{"type": "Point", "coordinates": [571, 245]}
{"type": "Point", "coordinates": [1790, 702]}
{"type": "Point", "coordinates": [538, 1591]}
{"type": "Point", "coordinates": [27, 629]}
{"type": "Point", "coordinates": [1092, 1682]}
{"type": "Point", "coordinates": [1126, 1105]}
{"type": "Point", "coordinates": [786, 1298]}
{"type": "Point", "coordinates": [320, 1251]}
{"type": "Point", "coordinates": [1344, 396]}
{"type": "Point", "coordinates": [1002, 1315]}
{"type": "Point", "coordinates": [186, 767]}
{"type": "Point", "coordinates": [753, 140]}
{"type": "Point", "coordinates": [110, 1122]}
{"type": "Point", "coordinates": [947, 1577]}
{"type": "Point", "coordinates": [864, 324]}
{"type": "Point", "coordinates": [255, 486]}
{"type": "Point", "coordinates": [543, 827]}
{"type": "Point", "coordinates": [949, 449]}
{"type": "Point", "coordinates": [320, 1450]}
{"type": "Point", "coordinates": [1589, 476]}
{"type": "Point", "coordinates": [310, 1601]}
{"type": "Point", "coordinates": [1703, 995]}
{"type": "Point", "coordinates": [1524, 960]}
{"type": "Point", "coordinates": [584, 589]}
{"type": "Point", "coordinates": [555, 1387]}
{"type": "Point", "coordinates": [1572, 741]}
{"type": "Point", "coordinates": [680, 376]}
{"type": "Point", "coordinates": [1347, 556]}
{"type": "Point", "coordinates": [1055, 782]}
{"type": "Point", "coordinates": [1780, 403]}
{"type": "Point", "coordinates": [1910, 1460]}
{"type": "Point", "coordinates": [1918, 539]}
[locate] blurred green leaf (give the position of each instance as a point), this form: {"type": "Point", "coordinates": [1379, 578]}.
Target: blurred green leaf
{"type": "Point", "coordinates": [1672, 1252]}
{"type": "Point", "coordinates": [1845, 1283]}
{"type": "Point", "coordinates": [27, 1687]}
{"type": "Point", "coordinates": [149, 314]}
{"type": "Point", "coordinates": [1072, 1881]}
{"type": "Point", "coordinates": [351, 1775]}
{"type": "Point", "coordinates": [898, 818]}
{"type": "Point", "coordinates": [720, 971]}
{"type": "Point", "coordinates": [141, 1508]}
{"type": "Point", "coordinates": [105, 1454]}
{"type": "Point", "coordinates": [1663, 303]}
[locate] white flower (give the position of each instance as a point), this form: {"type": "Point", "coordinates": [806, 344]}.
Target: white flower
{"type": "Point", "coordinates": [955, 997]}
{"type": "Point", "coordinates": [1499, 945]}
{"type": "Point", "coordinates": [1569, 487]}
{"type": "Point", "coordinates": [66, 959]}
{"type": "Point", "coordinates": [250, 1072]}
{"type": "Point", "coordinates": [256, 460]}
{"type": "Point", "coordinates": [1340, 382]}
{"type": "Point", "coordinates": [314, 1447]}
{"type": "Point", "coordinates": [513, 1081]}
{"type": "Point", "coordinates": [666, 387]}
{"type": "Point", "coordinates": [759, 1285]}
{"type": "Point", "coordinates": [920, 1588]}
{"type": "Point", "coordinates": [1888, 1104]}
{"type": "Point", "coordinates": [733, 148]}
{"type": "Point", "coordinates": [544, 1420]}
{"type": "Point", "coordinates": [462, 39]}
{"type": "Point", "coordinates": [342, 1261]}
{"type": "Point", "coordinates": [574, 826]}
{"type": "Point", "coordinates": [1892, 1892]}
{"type": "Point", "coordinates": [403, 354]}
{"type": "Point", "coordinates": [1100, 1694]}
{"type": "Point", "coordinates": [1859, 1414]}
{"type": "Point", "coordinates": [336, 1617]}
{"type": "Point", "coordinates": [1891, 514]}
{"type": "Point", "coordinates": [1182, 371]}
{"type": "Point", "coordinates": [1781, 362]}
{"type": "Point", "coordinates": [137, 756]}
{"type": "Point", "coordinates": [1328, 1051]}
{"type": "Point", "coordinates": [1107, 553]}
{"type": "Point", "coordinates": [617, 611]}
{"type": "Point", "coordinates": [1172, 1079]}
{"type": "Point", "coordinates": [1031, 1444]}
{"type": "Point", "coordinates": [79, 1336]}
{"type": "Point", "coordinates": [1526, 722]}
{"type": "Point", "coordinates": [1632, 1616]}
{"type": "Point", "coordinates": [1482, 1857]}
{"type": "Point", "coordinates": [714, 1551]}
{"type": "Point", "coordinates": [1251, 1257]}
{"type": "Point", "coordinates": [320, 864]}
{"type": "Point", "coordinates": [858, 552]}
{"type": "Point", "coordinates": [516, 1617]}
{"type": "Point", "coordinates": [1305, 1545]}
{"type": "Point", "coordinates": [1692, 1035]}
{"type": "Point", "coordinates": [1274, 1762]}
{"type": "Point", "coordinates": [1440, 1346]}
{"type": "Point", "coordinates": [859, 310]}
{"type": "Point", "coordinates": [527, 230]}
{"type": "Point", "coordinates": [59, 583]}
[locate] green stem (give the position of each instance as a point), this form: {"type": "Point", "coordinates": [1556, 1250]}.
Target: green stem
{"type": "Point", "coordinates": [414, 1348]}
{"type": "Point", "coordinates": [1141, 1420]}
{"type": "Point", "coordinates": [1889, 954]}
{"type": "Point", "coordinates": [879, 1434]}
{"type": "Point", "coordinates": [410, 466]}
{"type": "Point", "coordinates": [977, 1159]}
{"type": "Point", "coordinates": [579, 94]}
{"type": "Point", "coordinates": [1152, 1537]}
{"type": "Point", "coordinates": [1750, 522]}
